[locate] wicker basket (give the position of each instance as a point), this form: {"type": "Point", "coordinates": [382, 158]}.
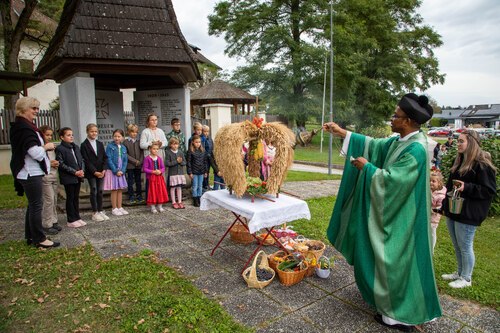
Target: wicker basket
{"type": "Point", "coordinates": [240, 234]}
{"type": "Point", "coordinates": [273, 264]}
{"type": "Point", "coordinates": [250, 273]}
{"type": "Point", "coordinates": [317, 253]}
{"type": "Point", "coordinates": [310, 257]}
{"type": "Point", "coordinates": [290, 278]}
{"type": "Point", "coordinates": [269, 240]}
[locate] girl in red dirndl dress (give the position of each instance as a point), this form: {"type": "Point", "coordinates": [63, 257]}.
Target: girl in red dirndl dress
{"type": "Point", "coordinates": [157, 190]}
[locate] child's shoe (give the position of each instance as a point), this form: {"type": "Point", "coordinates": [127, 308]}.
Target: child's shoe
{"type": "Point", "coordinates": [139, 200]}
{"type": "Point", "coordinates": [104, 216]}
{"type": "Point", "coordinates": [453, 276]}
{"type": "Point", "coordinates": [175, 205]}
{"type": "Point", "coordinates": [82, 222]}
{"type": "Point", "coordinates": [74, 224]}
{"type": "Point", "coordinates": [160, 209]}
{"type": "Point", "coordinates": [56, 226]}
{"type": "Point", "coordinates": [97, 217]}
{"type": "Point", "coordinates": [123, 211]}
{"type": "Point", "coordinates": [116, 212]}
{"type": "Point", "coordinates": [132, 200]}
{"type": "Point", "coordinates": [181, 205]}
{"type": "Point", "coordinates": [153, 210]}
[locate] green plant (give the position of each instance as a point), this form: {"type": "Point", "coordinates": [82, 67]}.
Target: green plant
{"type": "Point", "coordinates": [255, 186]}
{"type": "Point", "coordinates": [492, 146]}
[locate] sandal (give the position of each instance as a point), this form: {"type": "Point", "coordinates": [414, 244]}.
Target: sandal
{"type": "Point", "coordinates": [175, 205]}
{"type": "Point", "coordinates": [181, 205]}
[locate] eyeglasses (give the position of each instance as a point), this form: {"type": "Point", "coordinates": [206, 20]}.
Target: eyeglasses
{"type": "Point", "coordinates": [35, 108]}
{"type": "Point", "coordinates": [395, 116]}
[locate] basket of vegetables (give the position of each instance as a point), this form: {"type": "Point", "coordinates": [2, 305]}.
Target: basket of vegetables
{"type": "Point", "coordinates": [324, 267]}
{"type": "Point", "coordinates": [261, 275]}
{"type": "Point", "coordinates": [315, 246]}
{"type": "Point", "coordinates": [239, 234]}
{"type": "Point", "coordinates": [311, 263]}
{"type": "Point", "coordinates": [292, 270]}
{"type": "Point", "coordinates": [276, 258]}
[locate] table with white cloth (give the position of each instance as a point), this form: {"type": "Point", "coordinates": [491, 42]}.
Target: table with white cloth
{"type": "Point", "coordinates": [257, 215]}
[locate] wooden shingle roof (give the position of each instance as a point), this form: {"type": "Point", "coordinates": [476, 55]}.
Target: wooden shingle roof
{"type": "Point", "coordinates": [138, 37]}
{"type": "Point", "coordinates": [220, 91]}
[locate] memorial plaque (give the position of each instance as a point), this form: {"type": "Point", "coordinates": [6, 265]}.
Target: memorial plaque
{"type": "Point", "coordinates": [109, 113]}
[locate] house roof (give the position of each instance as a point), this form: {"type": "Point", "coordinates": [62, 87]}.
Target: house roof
{"type": "Point", "coordinates": [220, 91]}
{"type": "Point", "coordinates": [126, 38]}
{"type": "Point", "coordinates": [201, 58]}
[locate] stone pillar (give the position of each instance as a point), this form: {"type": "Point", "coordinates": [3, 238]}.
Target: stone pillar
{"type": "Point", "coordinates": [109, 114]}
{"type": "Point", "coordinates": [77, 98]}
{"type": "Point", "coordinates": [262, 114]}
{"type": "Point", "coordinates": [220, 115]}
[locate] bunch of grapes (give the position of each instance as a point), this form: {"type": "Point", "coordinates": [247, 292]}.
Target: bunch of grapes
{"type": "Point", "coordinates": [264, 275]}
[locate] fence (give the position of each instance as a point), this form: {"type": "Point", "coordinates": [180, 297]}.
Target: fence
{"type": "Point", "coordinates": [45, 117]}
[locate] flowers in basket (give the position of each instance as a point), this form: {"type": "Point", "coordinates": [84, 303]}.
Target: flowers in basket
{"type": "Point", "coordinates": [256, 186]}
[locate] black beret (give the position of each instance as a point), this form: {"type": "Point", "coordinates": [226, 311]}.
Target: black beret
{"type": "Point", "coordinates": [416, 107]}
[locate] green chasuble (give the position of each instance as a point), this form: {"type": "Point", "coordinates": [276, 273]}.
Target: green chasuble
{"type": "Point", "coordinates": [381, 224]}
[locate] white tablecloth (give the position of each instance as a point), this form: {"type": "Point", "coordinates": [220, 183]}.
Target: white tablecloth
{"type": "Point", "coordinates": [261, 213]}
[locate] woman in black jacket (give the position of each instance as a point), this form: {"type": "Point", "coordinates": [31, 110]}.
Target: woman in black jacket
{"type": "Point", "coordinates": [70, 175]}
{"type": "Point", "coordinates": [29, 163]}
{"type": "Point", "coordinates": [473, 175]}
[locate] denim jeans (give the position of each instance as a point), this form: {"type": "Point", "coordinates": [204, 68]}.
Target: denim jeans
{"type": "Point", "coordinates": [134, 176]}
{"type": "Point", "coordinates": [196, 188]}
{"type": "Point", "coordinates": [96, 193]}
{"type": "Point", "coordinates": [220, 180]}
{"type": "Point", "coordinates": [462, 237]}
{"type": "Point", "coordinates": [33, 220]}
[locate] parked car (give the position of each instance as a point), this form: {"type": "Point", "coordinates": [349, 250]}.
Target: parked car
{"type": "Point", "coordinates": [441, 131]}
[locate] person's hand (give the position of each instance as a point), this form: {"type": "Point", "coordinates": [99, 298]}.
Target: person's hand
{"type": "Point", "coordinates": [179, 159]}
{"type": "Point", "coordinates": [219, 174]}
{"type": "Point", "coordinates": [79, 173]}
{"type": "Point", "coordinates": [54, 163]}
{"type": "Point", "coordinates": [335, 129]}
{"type": "Point", "coordinates": [205, 175]}
{"type": "Point", "coordinates": [101, 175]}
{"type": "Point", "coordinates": [119, 173]}
{"type": "Point", "coordinates": [359, 162]}
{"type": "Point", "coordinates": [137, 163]}
{"type": "Point", "coordinates": [49, 146]}
{"type": "Point", "coordinates": [191, 176]}
{"type": "Point", "coordinates": [98, 174]}
{"type": "Point", "coordinates": [459, 185]}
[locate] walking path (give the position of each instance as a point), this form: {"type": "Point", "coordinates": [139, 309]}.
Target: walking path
{"type": "Point", "coordinates": [184, 239]}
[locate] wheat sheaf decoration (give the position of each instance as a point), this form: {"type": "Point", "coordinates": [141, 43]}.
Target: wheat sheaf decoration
{"type": "Point", "coordinates": [228, 153]}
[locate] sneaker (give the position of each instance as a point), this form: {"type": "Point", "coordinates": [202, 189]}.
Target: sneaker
{"type": "Point", "coordinates": [50, 231]}
{"type": "Point", "coordinates": [139, 200]}
{"type": "Point", "coordinates": [132, 202]}
{"type": "Point", "coordinates": [123, 211]}
{"type": "Point", "coordinates": [453, 276]}
{"type": "Point", "coordinates": [460, 283]}
{"type": "Point", "coordinates": [160, 209]}
{"type": "Point", "coordinates": [82, 222]}
{"type": "Point", "coordinates": [116, 212]}
{"type": "Point", "coordinates": [75, 224]}
{"type": "Point", "coordinates": [97, 217]}
{"type": "Point", "coordinates": [153, 210]}
{"type": "Point", "coordinates": [104, 216]}
{"type": "Point", "coordinates": [57, 226]}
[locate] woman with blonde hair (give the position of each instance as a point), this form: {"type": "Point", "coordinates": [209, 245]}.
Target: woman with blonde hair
{"type": "Point", "coordinates": [473, 175]}
{"type": "Point", "coordinates": [29, 164]}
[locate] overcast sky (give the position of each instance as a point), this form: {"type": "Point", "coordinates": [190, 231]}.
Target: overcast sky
{"type": "Point", "coordinates": [470, 55]}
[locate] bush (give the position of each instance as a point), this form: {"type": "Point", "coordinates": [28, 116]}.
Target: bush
{"type": "Point", "coordinates": [493, 147]}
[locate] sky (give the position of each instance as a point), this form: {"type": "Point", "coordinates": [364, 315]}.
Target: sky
{"type": "Point", "coordinates": [469, 56]}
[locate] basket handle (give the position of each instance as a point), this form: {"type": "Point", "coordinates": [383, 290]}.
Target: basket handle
{"type": "Point", "coordinates": [300, 239]}
{"type": "Point", "coordinates": [253, 271]}
{"type": "Point", "coordinates": [456, 193]}
{"type": "Point", "coordinates": [327, 259]}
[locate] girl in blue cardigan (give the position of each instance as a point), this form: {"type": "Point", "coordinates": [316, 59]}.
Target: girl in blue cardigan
{"type": "Point", "coordinates": [114, 180]}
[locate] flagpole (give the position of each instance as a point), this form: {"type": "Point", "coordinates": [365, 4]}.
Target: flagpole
{"type": "Point", "coordinates": [323, 110]}
{"type": "Point", "coordinates": [331, 89]}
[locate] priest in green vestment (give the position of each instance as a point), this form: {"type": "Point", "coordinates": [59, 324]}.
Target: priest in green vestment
{"type": "Point", "coordinates": [381, 218]}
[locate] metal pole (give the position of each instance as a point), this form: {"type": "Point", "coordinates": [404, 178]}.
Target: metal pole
{"type": "Point", "coordinates": [323, 111]}
{"type": "Point", "coordinates": [331, 89]}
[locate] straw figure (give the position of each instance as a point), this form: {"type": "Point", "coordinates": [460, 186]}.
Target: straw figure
{"type": "Point", "coordinates": [229, 142]}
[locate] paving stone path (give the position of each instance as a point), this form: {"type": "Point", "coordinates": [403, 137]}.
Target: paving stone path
{"type": "Point", "coordinates": [184, 239]}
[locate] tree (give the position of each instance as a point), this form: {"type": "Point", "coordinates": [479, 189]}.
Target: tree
{"type": "Point", "coordinates": [381, 48]}
{"type": "Point", "coordinates": [279, 40]}
{"type": "Point", "coordinates": [14, 34]}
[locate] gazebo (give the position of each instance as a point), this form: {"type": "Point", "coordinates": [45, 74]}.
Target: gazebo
{"type": "Point", "coordinates": [220, 92]}
{"type": "Point", "coordinates": [103, 46]}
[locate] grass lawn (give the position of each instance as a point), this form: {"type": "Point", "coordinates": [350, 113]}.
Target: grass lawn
{"type": "Point", "coordinates": [9, 198]}
{"type": "Point", "coordinates": [77, 291]}
{"type": "Point", "coordinates": [312, 153]}
{"type": "Point", "coordinates": [485, 287]}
